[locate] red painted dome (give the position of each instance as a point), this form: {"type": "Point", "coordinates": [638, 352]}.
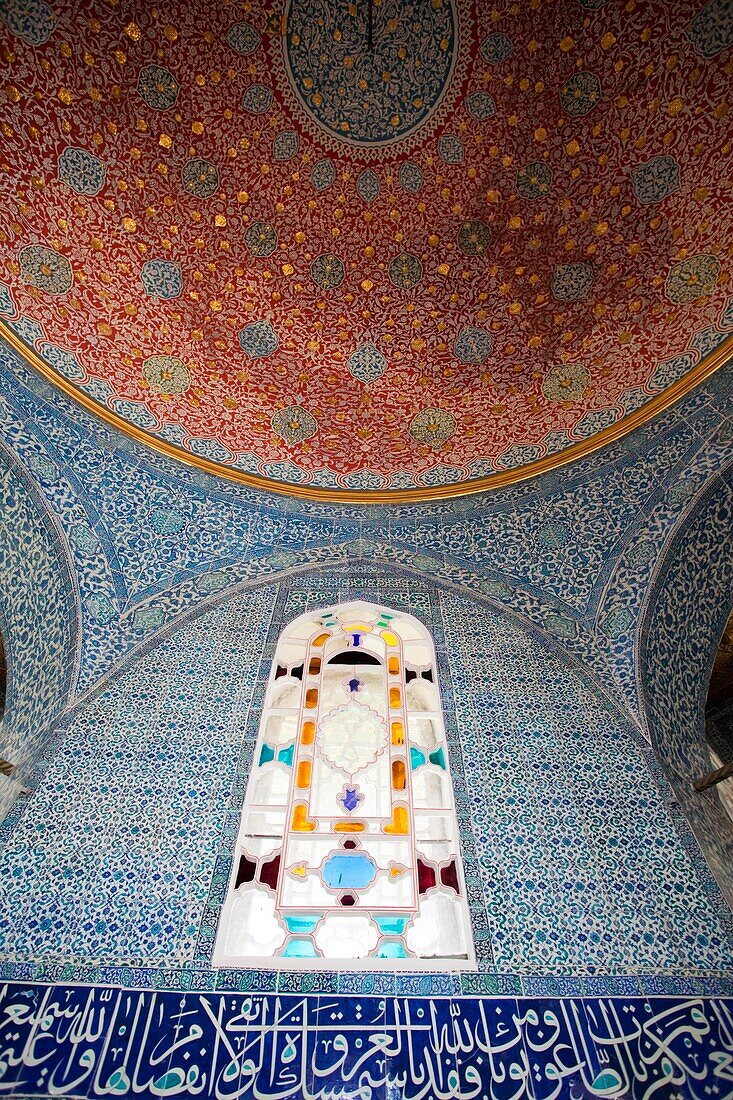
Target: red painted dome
{"type": "Point", "coordinates": [386, 246]}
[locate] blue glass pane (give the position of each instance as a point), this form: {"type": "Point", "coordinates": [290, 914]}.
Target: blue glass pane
{"type": "Point", "coordinates": [391, 951]}
{"type": "Point", "coordinates": [304, 925]}
{"type": "Point", "coordinates": [438, 757]}
{"type": "Point", "coordinates": [267, 754]}
{"type": "Point", "coordinates": [286, 755]}
{"type": "Point", "coordinates": [352, 870]}
{"type": "Point", "coordinates": [300, 949]}
{"type": "Point", "coordinates": [391, 926]}
{"type": "Point", "coordinates": [416, 758]}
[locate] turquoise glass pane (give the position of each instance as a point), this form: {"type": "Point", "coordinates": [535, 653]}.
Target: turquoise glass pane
{"type": "Point", "coordinates": [353, 870]}
{"type": "Point", "coordinates": [300, 949]}
{"type": "Point", "coordinates": [391, 951]}
{"type": "Point", "coordinates": [304, 925]}
{"type": "Point", "coordinates": [438, 757]}
{"type": "Point", "coordinates": [286, 755]}
{"type": "Point", "coordinates": [391, 926]}
{"type": "Point", "coordinates": [416, 758]}
{"type": "Point", "coordinates": [267, 754]}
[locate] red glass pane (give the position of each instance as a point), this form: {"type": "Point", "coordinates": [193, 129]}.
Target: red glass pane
{"type": "Point", "coordinates": [269, 872]}
{"type": "Point", "coordinates": [449, 876]}
{"type": "Point", "coordinates": [425, 877]}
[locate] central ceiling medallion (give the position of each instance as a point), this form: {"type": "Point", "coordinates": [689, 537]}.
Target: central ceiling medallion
{"type": "Point", "coordinates": [370, 73]}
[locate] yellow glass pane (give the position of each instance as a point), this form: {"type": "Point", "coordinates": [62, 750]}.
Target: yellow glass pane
{"type": "Point", "coordinates": [349, 827]}
{"type": "Point", "coordinates": [398, 733]}
{"type": "Point", "coordinates": [311, 698]}
{"type": "Point", "coordinates": [318, 642]}
{"type": "Point", "coordinates": [314, 666]}
{"type": "Point", "coordinates": [357, 628]}
{"type": "Point", "coordinates": [390, 638]}
{"type": "Point", "coordinates": [303, 777]}
{"type": "Point", "coordinates": [400, 823]}
{"type": "Point", "coordinates": [308, 733]}
{"type": "Point", "coordinates": [395, 698]}
{"type": "Point", "coordinates": [301, 824]}
{"type": "Point", "coordinates": [398, 775]}
{"type": "Point", "coordinates": [393, 665]}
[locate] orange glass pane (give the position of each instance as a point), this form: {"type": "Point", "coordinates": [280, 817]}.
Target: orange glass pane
{"type": "Point", "coordinates": [398, 775]}
{"type": "Point", "coordinates": [301, 824]}
{"type": "Point", "coordinates": [311, 698]}
{"type": "Point", "coordinates": [393, 665]}
{"type": "Point", "coordinates": [395, 697]}
{"type": "Point", "coordinates": [390, 638]}
{"type": "Point", "coordinates": [349, 827]}
{"type": "Point", "coordinates": [308, 733]}
{"type": "Point", "coordinates": [318, 642]}
{"type": "Point", "coordinates": [400, 823]}
{"type": "Point", "coordinates": [303, 777]}
{"type": "Point", "coordinates": [398, 733]}
{"type": "Point", "coordinates": [314, 666]}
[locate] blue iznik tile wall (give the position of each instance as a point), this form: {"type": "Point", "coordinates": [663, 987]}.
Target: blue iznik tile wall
{"type": "Point", "coordinates": [695, 574]}
{"type": "Point", "coordinates": [37, 618]}
{"type": "Point", "coordinates": [572, 552]}
{"type": "Point", "coordinates": [575, 617]}
{"type": "Point", "coordinates": [116, 871]}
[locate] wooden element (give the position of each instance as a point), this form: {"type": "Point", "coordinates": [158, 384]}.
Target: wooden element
{"type": "Point", "coordinates": [713, 778]}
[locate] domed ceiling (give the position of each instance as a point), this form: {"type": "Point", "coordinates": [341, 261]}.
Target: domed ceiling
{"type": "Point", "coordinates": [368, 246]}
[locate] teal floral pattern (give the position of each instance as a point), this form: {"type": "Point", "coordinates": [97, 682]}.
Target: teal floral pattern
{"type": "Point", "coordinates": [572, 282]}
{"type": "Point", "coordinates": [166, 374]}
{"type": "Point", "coordinates": [692, 279]}
{"type": "Point", "coordinates": [566, 382]}
{"type": "Point", "coordinates": [285, 146]}
{"type": "Point", "coordinates": [200, 178]}
{"type": "Point", "coordinates": [411, 178]}
{"type": "Point", "coordinates": [260, 239]}
{"type": "Point", "coordinates": [480, 105]}
{"type": "Point", "coordinates": [496, 48]}
{"type": "Point", "coordinates": [405, 271]}
{"type": "Point", "coordinates": [32, 20]}
{"type": "Point", "coordinates": [327, 271]}
{"type": "Point", "coordinates": [243, 38]}
{"type": "Point", "coordinates": [580, 94]}
{"type": "Point", "coordinates": [257, 99]}
{"type": "Point", "coordinates": [162, 279]}
{"type": "Point", "coordinates": [258, 340]}
{"type": "Point", "coordinates": [534, 180]}
{"type": "Point", "coordinates": [81, 171]}
{"type": "Point", "coordinates": [711, 31]}
{"type": "Point", "coordinates": [323, 174]}
{"type": "Point", "coordinates": [474, 238]}
{"type": "Point", "coordinates": [656, 179]}
{"type": "Point", "coordinates": [157, 87]}
{"type": "Point", "coordinates": [367, 185]}
{"type": "Point", "coordinates": [367, 363]}
{"type": "Point", "coordinates": [433, 427]}
{"type": "Point", "coordinates": [46, 269]}
{"type": "Point", "coordinates": [327, 51]}
{"type": "Point", "coordinates": [473, 345]}
{"type": "Point", "coordinates": [451, 149]}
{"type": "Point", "coordinates": [294, 424]}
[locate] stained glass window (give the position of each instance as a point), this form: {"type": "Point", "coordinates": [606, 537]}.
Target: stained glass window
{"type": "Point", "coordinates": [347, 852]}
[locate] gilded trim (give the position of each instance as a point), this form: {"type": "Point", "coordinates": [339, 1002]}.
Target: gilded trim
{"type": "Point", "coordinates": [707, 366]}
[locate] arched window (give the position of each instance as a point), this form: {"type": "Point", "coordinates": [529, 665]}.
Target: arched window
{"type": "Point", "coordinates": [348, 844]}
